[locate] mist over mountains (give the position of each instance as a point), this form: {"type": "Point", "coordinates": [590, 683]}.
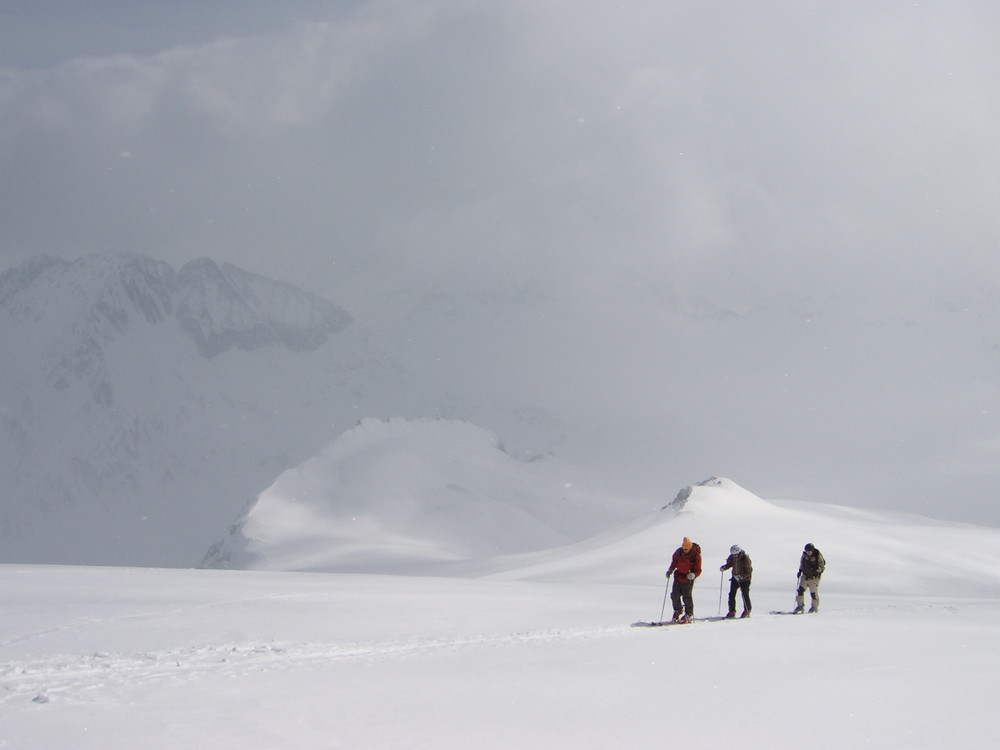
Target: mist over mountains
{"type": "Point", "coordinates": [143, 406]}
{"type": "Point", "coordinates": [145, 409]}
{"type": "Point", "coordinates": [748, 242]}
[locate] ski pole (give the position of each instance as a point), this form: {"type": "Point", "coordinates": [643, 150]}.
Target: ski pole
{"type": "Point", "coordinates": [722, 575]}
{"type": "Point", "coordinates": [663, 609]}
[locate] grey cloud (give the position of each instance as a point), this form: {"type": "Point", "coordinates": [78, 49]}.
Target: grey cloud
{"type": "Point", "coordinates": [682, 136]}
{"type": "Point", "coordinates": [628, 168]}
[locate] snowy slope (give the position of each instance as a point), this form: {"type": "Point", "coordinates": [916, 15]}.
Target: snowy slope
{"type": "Point", "coordinates": [402, 495]}
{"type": "Point", "coordinates": [540, 656]}
{"type": "Point", "coordinates": [435, 496]}
{"type": "Point", "coordinates": [876, 552]}
{"type": "Point", "coordinates": [531, 649]}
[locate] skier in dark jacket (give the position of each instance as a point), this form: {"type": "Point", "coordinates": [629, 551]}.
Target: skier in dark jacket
{"type": "Point", "coordinates": [685, 567]}
{"type": "Point", "coordinates": [811, 568]}
{"type": "Point", "coordinates": [742, 568]}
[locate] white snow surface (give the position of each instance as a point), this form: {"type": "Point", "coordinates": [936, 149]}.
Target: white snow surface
{"type": "Point", "coordinates": [412, 496]}
{"type": "Point", "coordinates": [536, 650]}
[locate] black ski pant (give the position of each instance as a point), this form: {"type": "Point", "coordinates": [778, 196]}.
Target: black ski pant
{"type": "Point", "coordinates": [744, 588]}
{"type": "Point", "coordinates": [683, 591]}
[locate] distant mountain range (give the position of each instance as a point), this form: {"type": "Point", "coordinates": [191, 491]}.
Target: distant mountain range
{"type": "Point", "coordinates": [141, 407]}
{"type": "Point", "coordinates": [153, 416]}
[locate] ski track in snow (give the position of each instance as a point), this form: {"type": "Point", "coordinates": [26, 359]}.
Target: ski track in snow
{"type": "Point", "coordinates": [69, 677]}
{"type": "Point", "coordinates": [72, 677]}
{"type": "Point", "coordinates": [153, 614]}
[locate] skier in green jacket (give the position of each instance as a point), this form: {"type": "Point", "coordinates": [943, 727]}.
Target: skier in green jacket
{"type": "Point", "coordinates": [811, 568]}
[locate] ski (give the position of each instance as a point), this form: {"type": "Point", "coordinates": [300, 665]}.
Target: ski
{"type": "Point", "coordinates": [665, 623]}
{"type": "Point", "coordinates": [784, 612]}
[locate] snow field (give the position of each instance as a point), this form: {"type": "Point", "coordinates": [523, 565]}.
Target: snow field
{"type": "Point", "coordinates": [113, 658]}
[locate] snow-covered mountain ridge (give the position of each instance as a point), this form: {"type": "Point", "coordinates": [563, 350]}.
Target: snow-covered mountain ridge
{"type": "Point", "coordinates": [440, 497]}
{"type": "Point", "coordinates": [219, 307]}
{"type": "Point", "coordinates": [718, 513]}
{"type": "Point", "coordinates": [406, 496]}
{"type": "Point", "coordinates": [142, 407]}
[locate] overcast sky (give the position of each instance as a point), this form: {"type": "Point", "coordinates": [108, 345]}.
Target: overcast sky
{"type": "Point", "coordinates": [602, 153]}
{"type": "Point", "coordinates": [773, 140]}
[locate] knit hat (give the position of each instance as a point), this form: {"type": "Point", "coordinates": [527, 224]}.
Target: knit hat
{"type": "Point", "coordinates": [686, 544]}
{"type": "Point", "coordinates": [735, 549]}
{"type": "Point", "coordinates": [809, 547]}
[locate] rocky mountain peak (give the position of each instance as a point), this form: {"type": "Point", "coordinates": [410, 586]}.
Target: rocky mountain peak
{"type": "Point", "coordinates": [95, 299]}
{"type": "Point", "coordinates": [223, 307]}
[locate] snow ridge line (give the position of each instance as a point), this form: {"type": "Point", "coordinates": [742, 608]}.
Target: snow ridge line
{"type": "Point", "coordinates": [67, 676]}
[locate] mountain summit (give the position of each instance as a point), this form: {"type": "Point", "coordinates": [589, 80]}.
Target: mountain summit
{"type": "Point", "coordinates": [218, 306]}
{"type": "Point", "coordinates": [410, 495]}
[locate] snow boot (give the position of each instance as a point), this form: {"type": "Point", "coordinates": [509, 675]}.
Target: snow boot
{"type": "Point", "coordinates": [746, 613]}
{"type": "Point", "coordinates": [799, 609]}
{"type": "Point", "coordinates": [813, 610]}
{"type": "Point", "coordinates": [730, 615]}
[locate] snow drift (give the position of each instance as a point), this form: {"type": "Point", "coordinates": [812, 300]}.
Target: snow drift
{"type": "Point", "coordinates": [402, 495]}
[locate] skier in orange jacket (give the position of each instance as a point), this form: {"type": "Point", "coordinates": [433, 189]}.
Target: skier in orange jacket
{"type": "Point", "coordinates": [685, 567]}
